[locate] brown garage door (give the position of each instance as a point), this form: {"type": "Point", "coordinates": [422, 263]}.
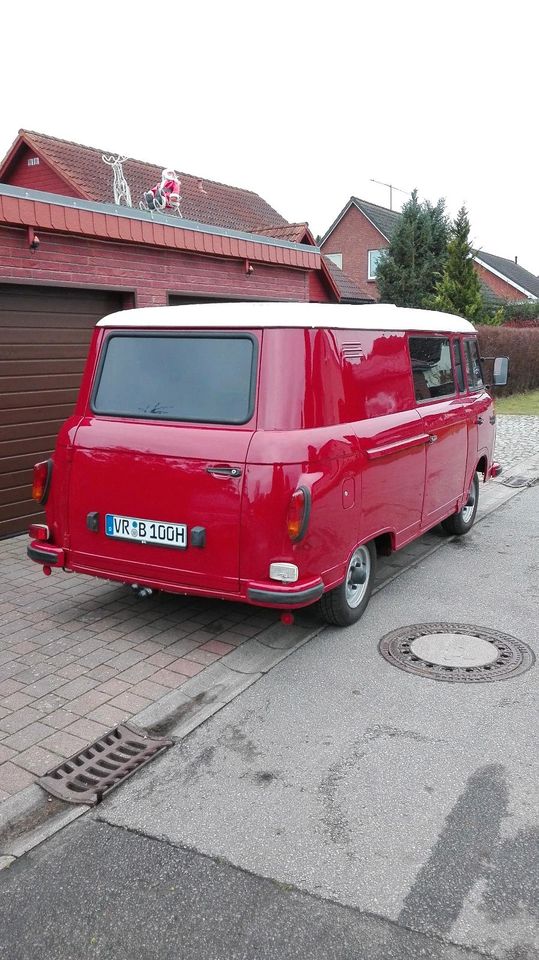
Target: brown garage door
{"type": "Point", "coordinates": [44, 337]}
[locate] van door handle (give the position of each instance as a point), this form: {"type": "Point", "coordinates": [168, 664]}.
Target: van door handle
{"type": "Point", "coordinates": [433, 437]}
{"type": "Point", "coordinates": [479, 420]}
{"type": "Point", "coordinates": [224, 471]}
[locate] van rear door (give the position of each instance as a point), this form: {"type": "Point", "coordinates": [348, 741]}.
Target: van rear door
{"type": "Point", "coordinates": [158, 461]}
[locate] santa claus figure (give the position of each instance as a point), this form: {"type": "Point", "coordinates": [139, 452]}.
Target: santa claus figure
{"type": "Point", "coordinates": [165, 195]}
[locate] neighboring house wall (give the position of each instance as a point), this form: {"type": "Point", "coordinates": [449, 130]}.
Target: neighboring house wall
{"type": "Point", "coordinates": [151, 272]}
{"type": "Point", "coordinates": [354, 236]}
{"type": "Point", "coordinates": [498, 286]}
{"type": "Point", "coordinates": [38, 177]}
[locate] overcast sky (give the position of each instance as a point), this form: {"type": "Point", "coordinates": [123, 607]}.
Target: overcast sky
{"type": "Point", "coordinates": [302, 102]}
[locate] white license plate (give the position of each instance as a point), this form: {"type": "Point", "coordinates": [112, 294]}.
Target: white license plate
{"type": "Point", "coordinates": [146, 531]}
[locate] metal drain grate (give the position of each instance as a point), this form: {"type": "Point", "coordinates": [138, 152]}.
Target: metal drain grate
{"type": "Point", "coordinates": [519, 481]}
{"type": "Point", "coordinates": [106, 763]}
{"type": "Point", "coordinates": [502, 656]}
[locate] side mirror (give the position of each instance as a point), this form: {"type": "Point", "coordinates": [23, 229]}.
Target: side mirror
{"type": "Point", "coordinates": [501, 369]}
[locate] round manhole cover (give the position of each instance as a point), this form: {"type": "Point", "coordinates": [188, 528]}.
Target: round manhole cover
{"type": "Point", "coordinates": [459, 652]}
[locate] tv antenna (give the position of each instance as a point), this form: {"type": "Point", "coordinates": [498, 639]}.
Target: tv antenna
{"type": "Point", "coordinates": [391, 189]}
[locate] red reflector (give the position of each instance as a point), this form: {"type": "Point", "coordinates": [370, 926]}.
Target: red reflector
{"type": "Point", "coordinates": [297, 515]}
{"type": "Point", "coordinates": [40, 486]}
{"type": "Point", "coordinates": [39, 531]}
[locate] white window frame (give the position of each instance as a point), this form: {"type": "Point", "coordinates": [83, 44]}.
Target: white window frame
{"type": "Point", "coordinates": [372, 276]}
{"type": "Point", "coordinates": [33, 162]}
{"type": "Point", "coordinates": [335, 258]}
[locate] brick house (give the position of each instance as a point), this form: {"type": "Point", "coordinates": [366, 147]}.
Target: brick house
{"type": "Point", "coordinates": [363, 230]}
{"type": "Point", "coordinates": [69, 255]}
{"type": "Point", "coordinates": [506, 279]}
{"type": "Point", "coordinates": [356, 238]}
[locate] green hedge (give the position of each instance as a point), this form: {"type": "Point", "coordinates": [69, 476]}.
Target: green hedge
{"type": "Point", "coordinates": [515, 312]}
{"type": "Point", "coordinates": [521, 345]}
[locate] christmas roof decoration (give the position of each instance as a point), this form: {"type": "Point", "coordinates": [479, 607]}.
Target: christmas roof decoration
{"type": "Point", "coordinates": [87, 176]}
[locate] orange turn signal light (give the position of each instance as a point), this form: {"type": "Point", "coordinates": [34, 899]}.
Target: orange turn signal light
{"type": "Point", "coordinates": [297, 516]}
{"type": "Point", "coordinates": [42, 476]}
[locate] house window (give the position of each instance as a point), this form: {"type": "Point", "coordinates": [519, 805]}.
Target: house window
{"type": "Point", "coordinates": [33, 161]}
{"type": "Point", "coordinates": [374, 260]}
{"type": "Point", "coordinates": [335, 258]}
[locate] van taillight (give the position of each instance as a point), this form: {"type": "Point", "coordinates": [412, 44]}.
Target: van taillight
{"type": "Point", "coordinates": [39, 531]}
{"type": "Point", "coordinates": [298, 513]}
{"type": "Point", "coordinates": [42, 477]}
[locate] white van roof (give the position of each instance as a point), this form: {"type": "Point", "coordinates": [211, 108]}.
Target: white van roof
{"type": "Point", "coordinates": [245, 315]}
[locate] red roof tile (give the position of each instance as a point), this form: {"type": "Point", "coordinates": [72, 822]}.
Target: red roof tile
{"type": "Point", "coordinates": [295, 232]}
{"type": "Point", "coordinates": [204, 201]}
{"type": "Point", "coordinates": [349, 290]}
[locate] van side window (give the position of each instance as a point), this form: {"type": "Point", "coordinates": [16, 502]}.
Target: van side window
{"type": "Point", "coordinates": [457, 356]}
{"type": "Point", "coordinates": [431, 367]}
{"type": "Point", "coordinates": [473, 365]}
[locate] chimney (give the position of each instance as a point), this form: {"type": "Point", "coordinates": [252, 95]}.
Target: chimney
{"type": "Point", "coordinates": [516, 259]}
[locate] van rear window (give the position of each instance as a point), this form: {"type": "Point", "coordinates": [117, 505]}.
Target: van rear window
{"type": "Point", "coordinates": [203, 378]}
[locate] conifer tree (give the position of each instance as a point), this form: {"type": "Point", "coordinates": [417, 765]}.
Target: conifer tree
{"type": "Point", "coordinates": [408, 272]}
{"type": "Point", "coordinates": [458, 290]}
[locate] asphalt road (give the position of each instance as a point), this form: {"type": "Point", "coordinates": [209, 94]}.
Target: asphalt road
{"type": "Point", "coordinates": [338, 808]}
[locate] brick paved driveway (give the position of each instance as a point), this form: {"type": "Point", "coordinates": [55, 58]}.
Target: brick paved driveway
{"type": "Point", "coordinates": [78, 655]}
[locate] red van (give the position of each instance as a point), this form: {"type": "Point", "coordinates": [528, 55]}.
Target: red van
{"type": "Point", "coordinates": [265, 452]}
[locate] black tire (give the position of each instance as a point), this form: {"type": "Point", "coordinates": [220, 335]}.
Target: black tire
{"type": "Point", "coordinates": [459, 523]}
{"type": "Point", "coordinates": [346, 603]}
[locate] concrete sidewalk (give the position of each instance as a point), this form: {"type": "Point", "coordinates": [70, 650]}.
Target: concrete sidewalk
{"type": "Point", "coordinates": [78, 655]}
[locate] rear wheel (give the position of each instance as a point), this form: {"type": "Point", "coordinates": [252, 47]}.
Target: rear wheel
{"type": "Point", "coordinates": [346, 603]}
{"type": "Point", "coordinates": [462, 521]}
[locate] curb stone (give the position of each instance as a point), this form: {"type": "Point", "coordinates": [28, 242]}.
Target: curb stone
{"type": "Point", "coordinates": [181, 711]}
{"type": "Point", "coordinates": [176, 709]}
{"type": "Point", "coordinates": [32, 805]}
{"type": "Point", "coordinates": [254, 657]}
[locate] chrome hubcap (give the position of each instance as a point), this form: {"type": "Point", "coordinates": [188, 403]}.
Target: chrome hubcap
{"type": "Point", "coordinates": [357, 577]}
{"type": "Point", "coordinates": [468, 509]}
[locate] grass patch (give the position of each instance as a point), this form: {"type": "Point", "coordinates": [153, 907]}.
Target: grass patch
{"type": "Point", "coordinates": [520, 403]}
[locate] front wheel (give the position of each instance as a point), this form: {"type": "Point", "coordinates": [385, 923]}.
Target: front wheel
{"type": "Point", "coordinates": [459, 523]}
{"type": "Point", "coordinates": [345, 604]}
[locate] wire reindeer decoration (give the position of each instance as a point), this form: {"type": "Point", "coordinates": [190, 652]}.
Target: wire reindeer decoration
{"type": "Point", "coordinates": [120, 185]}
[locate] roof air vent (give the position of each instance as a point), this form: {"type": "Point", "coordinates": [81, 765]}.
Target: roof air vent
{"type": "Point", "coordinates": [352, 351]}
